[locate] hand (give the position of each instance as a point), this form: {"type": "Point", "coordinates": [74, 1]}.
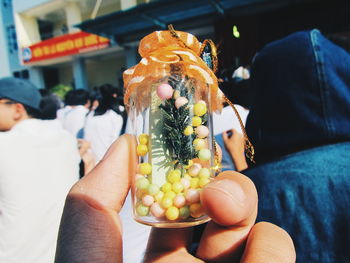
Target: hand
{"type": "Point", "coordinates": [235, 146]}
{"type": "Point", "coordinates": [86, 155]}
{"type": "Point", "coordinates": [91, 229]}
{"type": "Point", "coordinates": [83, 146]}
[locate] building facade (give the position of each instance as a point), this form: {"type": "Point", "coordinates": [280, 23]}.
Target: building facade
{"type": "Point", "coordinates": [9, 63]}
{"type": "Point", "coordinates": [87, 43]}
{"type": "Point", "coordinates": [53, 51]}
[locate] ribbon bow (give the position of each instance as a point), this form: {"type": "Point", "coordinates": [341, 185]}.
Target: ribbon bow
{"type": "Point", "coordinates": [165, 53]}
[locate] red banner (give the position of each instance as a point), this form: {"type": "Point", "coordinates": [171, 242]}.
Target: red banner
{"type": "Point", "coordinates": [65, 45]}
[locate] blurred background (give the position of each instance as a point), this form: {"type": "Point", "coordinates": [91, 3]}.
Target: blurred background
{"type": "Point", "coordinates": [82, 44]}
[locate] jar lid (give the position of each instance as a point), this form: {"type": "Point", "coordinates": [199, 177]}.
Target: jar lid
{"type": "Point", "coordinates": [170, 52]}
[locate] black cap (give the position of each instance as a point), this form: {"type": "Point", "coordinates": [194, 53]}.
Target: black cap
{"type": "Point", "coordinates": [20, 90]}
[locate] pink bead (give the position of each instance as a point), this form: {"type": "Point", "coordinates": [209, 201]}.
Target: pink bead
{"type": "Point", "coordinates": [185, 182]}
{"type": "Point", "coordinates": [202, 131]}
{"type": "Point", "coordinates": [147, 200]}
{"type": "Point", "coordinates": [157, 210]}
{"type": "Point", "coordinates": [180, 101]}
{"type": "Point", "coordinates": [194, 169]}
{"type": "Point", "coordinates": [179, 201]}
{"type": "Point", "coordinates": [138, 176]}
{"type": "Point", "coordinates": [192, 196]}
{"type": "Point", "coordinates": [165, 91]}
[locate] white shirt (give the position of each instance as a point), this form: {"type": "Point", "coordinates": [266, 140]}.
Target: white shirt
{"type": "Point", "coordinates": [228, 120]}
{"type": "Point", "coordinates": [101, 131]}
{"type": "Point", "coordinates": [74, 119]}
{"type": "Point", "coordinates": [135, 235]}
{"type": "Point", "coordinates": [38, 165]}
{"type": "Point", "coordinates": [60, 114]}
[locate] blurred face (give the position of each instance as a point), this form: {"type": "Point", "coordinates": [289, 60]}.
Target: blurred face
{"type": "Point", "coordinates": [8, 114]}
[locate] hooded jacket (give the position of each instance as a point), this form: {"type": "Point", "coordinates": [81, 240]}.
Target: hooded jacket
{"type": "Point", "coordinates": [299, 124]}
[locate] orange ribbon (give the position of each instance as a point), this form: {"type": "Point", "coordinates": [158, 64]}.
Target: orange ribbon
{"type": "Point", "coordinates": [162, 55]}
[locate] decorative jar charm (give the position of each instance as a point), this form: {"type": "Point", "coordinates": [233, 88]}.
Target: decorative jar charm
{"type": "Point", "coordinates": [170, 96]}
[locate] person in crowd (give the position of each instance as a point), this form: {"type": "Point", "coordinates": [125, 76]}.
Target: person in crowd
{"type": "Point", "coordinates": [49, 111]}
{"type": "Point", "coordinates": [94, 234]}
{"type": "Point", "coordinates": [94, 99]}
{"type": "Point", "coordinates": [299, 123]}
{"type": "Point", "coordinates": [49, 106]}
{"type": "Point", "coordinates": [61, 112]}
{"type": "Point", "coordinates": [234, 144]}
{"type": "Point", "coordinates": [104, 124]}
{"type": "Point", "coordinates": [38, 165]}
{"type": "Point", "coordinates": [74, 118]}
{"type": "Point", "coordinates": [227, 128]}
{"type": "Point", "coordinates": [225, 125]}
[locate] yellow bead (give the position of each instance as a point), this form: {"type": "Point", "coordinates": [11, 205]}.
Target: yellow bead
{"type": "Point", "coordinates": [141, 150]}
{"type": "Point", "coordinates": [196, 121]}
{"type": "Point", "coordinates": [188, 130]}
{"type": "Point", "coordinates": [204, 173]}
{"type": "Point", "coordinates": [187, 176]}
{"type": "Point", "coordinates": [176, 94]}
{"type": "Point", "coordinates": [167, 202]}
{"type": "Point", "coordinates": [145, 168]}
{"type": "Point", "coordinates": [204, 154]}
{"type": "Point", "coordinates": [142, 210]}
{"type": "Point", "coordinates": [159, 196]}
{"type": "Point", "coordinates": [142, 183]}
{"type": "Point", "coordinates": [190, 162]}
{"type": "Point", "coordinates": [174, 176]}
{"type": "Point", "coordinates": [199, 109]}
{"type": "Point", "coordinates": [199, 144]}
{"type": "Point", "coordinates": [194, 182]}
{"type": "Point", "coordinates": [203, 182]}
{"type": "Point", "coordinates": [166, 187]}
{"type": "Point", "coordinates": [196, 210]}
{"type": "Point", "coordinates": [170, 194]}
{"type": "Point", "coordinates": [153, 189]}
{"type": "Point", "coordinates": [177, 187]}
{"type": "Point", "coordinates": [172, 213]}
{"type": "Point", "coordinates": [143, 139]}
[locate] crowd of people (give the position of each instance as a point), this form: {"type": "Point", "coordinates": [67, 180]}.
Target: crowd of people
{"type": "Point", "coordinates": [297, 119]}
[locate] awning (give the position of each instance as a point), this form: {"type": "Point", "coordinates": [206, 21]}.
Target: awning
{"type": "Point", "coordinates": [129, 25]}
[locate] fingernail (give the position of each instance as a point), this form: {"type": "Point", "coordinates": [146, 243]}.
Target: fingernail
{"type": "Point", "coordinates": [230, 188]}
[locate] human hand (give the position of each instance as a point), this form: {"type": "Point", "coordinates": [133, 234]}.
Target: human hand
{"type": "Point", "coordinates": [83, 146]}
{"type": "Point", "coordinates": [234, 144]}
{"type": "Point", "coordinates": [91, 228]}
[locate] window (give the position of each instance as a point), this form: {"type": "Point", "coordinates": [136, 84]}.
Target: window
{"type": "Point", "coordinates": [23, 74]}
{"type": "Point", "coordinates": [7, 3]}
{"type": "Point", "coordinates": [11, 39]}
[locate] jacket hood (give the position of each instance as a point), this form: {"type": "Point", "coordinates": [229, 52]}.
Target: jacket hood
{"type": "Point", "coordinates": [301, 87]}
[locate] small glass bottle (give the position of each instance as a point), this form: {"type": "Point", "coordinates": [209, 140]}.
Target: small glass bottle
{"type": "Point", "coordinates": [170, 114]}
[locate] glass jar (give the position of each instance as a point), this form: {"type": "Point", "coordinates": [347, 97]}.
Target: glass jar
{"type": "Point", "coordinates": [170, 95]}
{"type": "Point", "coordinates": [176, 153]}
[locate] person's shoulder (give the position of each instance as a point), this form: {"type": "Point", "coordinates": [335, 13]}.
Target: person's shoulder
{"type": "Point", "coordinates": [6, 138]}
{"type": "Point", "coordinates": [330, 158]}
{"type": "Point", "coordinates": [114, 114]}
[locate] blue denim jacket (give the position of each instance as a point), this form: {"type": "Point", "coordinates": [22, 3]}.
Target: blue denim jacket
{"type": "Point", "coordinates": [299, 124]}
{"type": "Point", "coordinates": [308, 194]}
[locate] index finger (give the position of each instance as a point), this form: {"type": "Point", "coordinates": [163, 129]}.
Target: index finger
{"type": "Point", "coordinates": [109, 182]}
{"type": "Point", "coordinates": [90, 229]}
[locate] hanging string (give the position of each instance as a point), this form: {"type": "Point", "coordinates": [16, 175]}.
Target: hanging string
{"type": "Point", "coordinates": [248, 146]}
